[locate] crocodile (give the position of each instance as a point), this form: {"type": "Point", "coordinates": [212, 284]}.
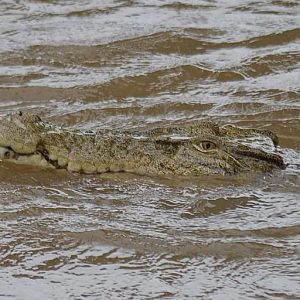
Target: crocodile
{"type": "Point", "coordinates": [202, 147]}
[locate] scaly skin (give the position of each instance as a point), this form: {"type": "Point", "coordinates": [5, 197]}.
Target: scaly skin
{"type": "Point", "coordinates": [197, 149]}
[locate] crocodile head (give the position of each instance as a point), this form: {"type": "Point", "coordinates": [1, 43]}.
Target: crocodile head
{"type": "Point", "coordinates": [200, 148]}
{"type": "Point", "coordinates": [209, 154]}
{"type": "Point", "coordinates": [207, 148]}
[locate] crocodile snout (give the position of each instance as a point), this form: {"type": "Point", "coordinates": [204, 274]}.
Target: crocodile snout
{"type": "Point", "coordinates": [258, 157]}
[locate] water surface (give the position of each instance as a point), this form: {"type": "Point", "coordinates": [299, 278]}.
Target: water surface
{"type": "Point", "coordinates": [139, 64]}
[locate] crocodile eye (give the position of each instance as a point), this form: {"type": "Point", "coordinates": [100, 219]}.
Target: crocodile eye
{"type": "Point", "coordinates": [205, 146]}
{"type": "Point", "coordinates": [20, 113]}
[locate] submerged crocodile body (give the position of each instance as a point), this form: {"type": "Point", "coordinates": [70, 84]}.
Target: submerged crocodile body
{"type": "Point", "coordinates": [191, 149]}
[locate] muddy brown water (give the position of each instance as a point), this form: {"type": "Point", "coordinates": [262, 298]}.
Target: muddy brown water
{"type": "Point", "coordinates": [136, 64]}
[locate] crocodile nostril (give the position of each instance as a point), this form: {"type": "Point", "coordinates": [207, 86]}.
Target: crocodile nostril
{"type": "Point", "coordinates": [7, 154]}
